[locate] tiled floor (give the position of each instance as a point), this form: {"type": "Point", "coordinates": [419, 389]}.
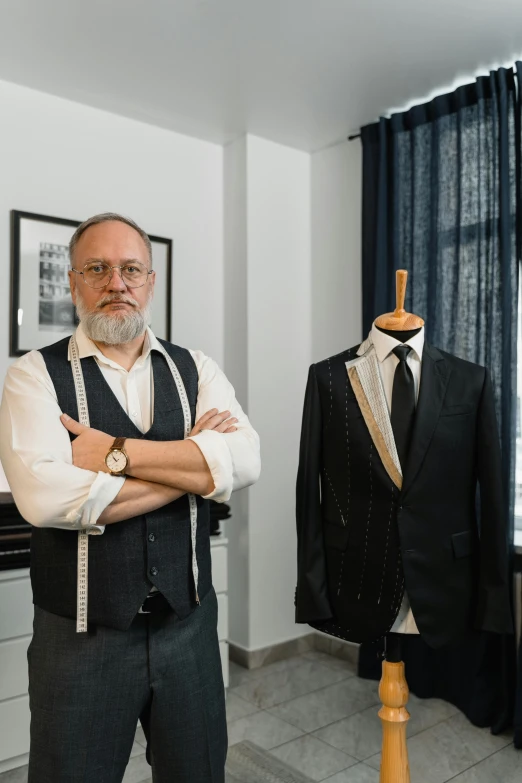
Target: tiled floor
{"type": "Point", "coordinates": [314, 714]}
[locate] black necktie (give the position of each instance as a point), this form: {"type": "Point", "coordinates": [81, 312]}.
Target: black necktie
{"type": "Point", "coordinates": [403, 403]}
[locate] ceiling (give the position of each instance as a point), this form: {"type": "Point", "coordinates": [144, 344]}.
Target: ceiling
{"type": "Point", "coordinates": [300, 72]}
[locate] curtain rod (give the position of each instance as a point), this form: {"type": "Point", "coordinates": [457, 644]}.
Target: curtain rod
{"type": "Point", "coordinates": [507, 68]}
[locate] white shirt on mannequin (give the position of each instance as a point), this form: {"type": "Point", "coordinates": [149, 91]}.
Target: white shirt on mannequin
{"type": "Point", "coordinates": [384, 345]}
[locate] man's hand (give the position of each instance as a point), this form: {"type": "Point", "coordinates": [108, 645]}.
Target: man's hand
{"type": "Point", "coordinates": [90, 447]}
{"type": "Point", "coordinates": [214, 420]}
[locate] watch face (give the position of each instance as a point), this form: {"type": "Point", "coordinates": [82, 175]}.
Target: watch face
{"type": "Point", "coordinates": [116, 460]}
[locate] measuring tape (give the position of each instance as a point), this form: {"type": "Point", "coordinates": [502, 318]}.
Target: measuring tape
{"type": "Point", "coordinates": [83, 536]}
{"type": "Point", "coordinates": [192, 498]}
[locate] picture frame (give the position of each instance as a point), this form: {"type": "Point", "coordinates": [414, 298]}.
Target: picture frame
{"type": "Point", "coordinates": [41, 308]}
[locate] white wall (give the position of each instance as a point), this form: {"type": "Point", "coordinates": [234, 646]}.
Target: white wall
{"type": "Point", "coordinates": [336, 249]}
{"type": "Point", "coordinates": [267, 266]}
{"type": "Point", "coordinates": [67, 160]}
{"type": "Point", "coordinates": [236, 368]}
{"type": "Point", "coordinates": [292, 254]}
{"type": "Point", "coordinates": [64, 159]}
{"type": "Point", "coordinates": [279, 339]}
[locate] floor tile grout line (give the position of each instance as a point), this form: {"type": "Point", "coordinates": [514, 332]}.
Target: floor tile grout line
{"type": "Point", "coordinates": [445, 720]}
{"type": "Point", "coordinates": [304, 661]}
{"type": "Point", "coordinates": [288, 742]}
{"type": "Point", "coordinates": [476, 764]}
{"type": "Point", "coordinates": [417, 733]}
{"type": "Point", "coordinates": [325, 780]}
{"type": "Point", "coordinates": [315, 690]}
{"type": "Point", "coordinates": [267, 709]}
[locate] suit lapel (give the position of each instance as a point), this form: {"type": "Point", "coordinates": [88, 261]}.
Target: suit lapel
{"type": "Point", "coordinates": [366, 383]}
{"type": "Point", "coordinates": [434, 380]}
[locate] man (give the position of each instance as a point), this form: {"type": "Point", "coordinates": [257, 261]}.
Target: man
{"type": "Point", "coordinates": [124, 628]}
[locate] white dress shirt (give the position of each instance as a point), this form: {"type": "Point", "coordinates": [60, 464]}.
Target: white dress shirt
{"type": "Point", "coordinates": [36, 452]}
{"type": "Point", "coordinates": [384, 345]}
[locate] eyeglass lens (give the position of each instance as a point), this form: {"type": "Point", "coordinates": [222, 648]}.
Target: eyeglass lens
{"type": "Point", "coordinates": [98, 275]}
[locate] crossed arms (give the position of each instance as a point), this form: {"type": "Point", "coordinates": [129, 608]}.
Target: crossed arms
{"type": "Point", "coordinates": [52, 489]}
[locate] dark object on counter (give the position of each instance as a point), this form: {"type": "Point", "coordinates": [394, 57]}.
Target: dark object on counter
{"type": "Point", "coordinates": [15, 535]}
{"type": "Point", "coordinates": [218, 511]}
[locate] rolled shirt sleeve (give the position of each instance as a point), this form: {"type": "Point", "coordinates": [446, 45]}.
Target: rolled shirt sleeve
{"type": "Point", "coordinates": [233, 458]}
{"type": "Point", "coordinates": [36, 455]}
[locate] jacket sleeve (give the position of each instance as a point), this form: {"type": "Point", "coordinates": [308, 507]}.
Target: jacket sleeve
{"type": "Point", "coordinates": [494, 607]}
{"type": "Point", "coordinates": [312, 603]}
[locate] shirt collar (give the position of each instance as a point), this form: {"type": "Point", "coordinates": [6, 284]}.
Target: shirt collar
{"type": "Point", "coordinates": [86, 347]}
{"type": "Point", "coordinates": [384, 344]}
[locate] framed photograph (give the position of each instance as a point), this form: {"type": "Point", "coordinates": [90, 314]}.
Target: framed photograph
{"type": "Point", "coordinates": [42, 311]}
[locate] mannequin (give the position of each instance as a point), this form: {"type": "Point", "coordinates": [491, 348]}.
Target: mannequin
{"type": "Point", "coordinates": [392, 450]}
{"type": "Point", "coordinates": [393, 688]}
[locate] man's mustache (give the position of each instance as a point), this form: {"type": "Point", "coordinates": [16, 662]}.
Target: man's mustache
{"type": "Point", "coordinates": [110, 299]}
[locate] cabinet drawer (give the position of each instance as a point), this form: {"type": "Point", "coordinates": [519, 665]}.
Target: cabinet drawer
{"type": "Point", "coordinates": [16, 608]}
{"type": "Point", "coordinates": [223, 649]}
{"type": "Point", "coordinates": [14, 728]}
{"type": "Point", "coordinates": [13, 667]}
{"type": "Point", "coordinates": [222, 617]}
{"type": "Point", "coordinates": [219, 568]}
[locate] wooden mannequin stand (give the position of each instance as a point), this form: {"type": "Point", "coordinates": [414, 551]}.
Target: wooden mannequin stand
{"type": "Point", "coordinates": [393, 688]}
{"type": "Point", "coordinates": [393, 692]}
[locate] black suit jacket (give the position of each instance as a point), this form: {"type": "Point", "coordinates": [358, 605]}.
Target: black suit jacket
{"type": "Point", "coordinates": [365, 533]}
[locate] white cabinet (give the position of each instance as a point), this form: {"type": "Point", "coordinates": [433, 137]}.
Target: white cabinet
{"type": "Point", "coordinates": [16, 624]}
{"type": "Point", "coordinates": [220, 579]}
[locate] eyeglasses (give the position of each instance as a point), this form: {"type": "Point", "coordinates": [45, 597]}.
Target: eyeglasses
{"type": "Point", "coordinates": [98, 274]}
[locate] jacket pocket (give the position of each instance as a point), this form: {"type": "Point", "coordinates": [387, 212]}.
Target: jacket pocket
{"type": "Point", "coordinates": [336, 536]}
{"type": "Point", "coordinates": [457, 410]}
{"type": "Point", "coordinates": [461, 543]}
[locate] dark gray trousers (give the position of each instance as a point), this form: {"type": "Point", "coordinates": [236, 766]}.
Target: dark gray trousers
{"type": "Point", "coordinates": [88, 690]}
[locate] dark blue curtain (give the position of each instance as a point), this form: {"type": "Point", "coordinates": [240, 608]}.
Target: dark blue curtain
{"type": "Point", "coordinates": [441, 198]}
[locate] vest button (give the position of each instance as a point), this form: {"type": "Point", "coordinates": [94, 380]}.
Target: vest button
{"type": "Point", "coordinates": [154, 571]}
{"type": "Point", "coordinates": [152, 537]}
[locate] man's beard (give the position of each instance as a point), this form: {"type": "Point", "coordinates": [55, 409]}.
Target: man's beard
{"type": "Point", "coordinates": [115, 328]}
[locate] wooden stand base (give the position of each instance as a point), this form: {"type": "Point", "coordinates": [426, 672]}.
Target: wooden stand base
{"type": "Point", "coordinates": [393, 692]}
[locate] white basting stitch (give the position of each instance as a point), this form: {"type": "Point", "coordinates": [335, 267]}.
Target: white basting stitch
{"type": "Point", "coordinates": [331, 394]}
{"type": "Point", "coordinates": [399, 563]}
{"type": "Point", "coordinates": [386, 547]}
{"type": "Point", "coordinates": [335, 497]}
{"type": "Point", "coordinates": [367, 523]}
{"type": "Point", "coordinates": [341, 574]}
{"type": "Point", "coordinates": [348, 483]}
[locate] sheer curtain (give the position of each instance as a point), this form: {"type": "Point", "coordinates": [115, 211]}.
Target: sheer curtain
{"type": "Point", "coordinates": [441, 198]}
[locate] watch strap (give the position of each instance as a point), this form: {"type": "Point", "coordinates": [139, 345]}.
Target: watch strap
{"type": "Point", "coordinates": [118, 444]}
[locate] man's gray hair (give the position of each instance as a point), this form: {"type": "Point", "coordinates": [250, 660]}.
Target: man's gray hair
{"type": "Point", "coordinates": [106, 217]}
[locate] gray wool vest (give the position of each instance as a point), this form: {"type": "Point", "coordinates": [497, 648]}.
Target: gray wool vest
{"type": "Point", "coordinates": [130, 556]}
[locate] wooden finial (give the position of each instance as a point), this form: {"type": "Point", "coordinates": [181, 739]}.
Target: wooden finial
{"type": "Point", "coordinates": [400, 320]}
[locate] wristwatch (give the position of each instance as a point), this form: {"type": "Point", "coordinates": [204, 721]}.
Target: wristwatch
{"type": "Point", "coordinates": [117, 459]}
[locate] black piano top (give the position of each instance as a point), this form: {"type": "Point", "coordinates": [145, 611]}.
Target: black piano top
{"type": "Point", "coordinates": [15, 535]}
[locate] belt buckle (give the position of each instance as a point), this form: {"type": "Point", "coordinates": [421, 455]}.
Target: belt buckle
{"type": "Point", "coordinates": [141, 610]}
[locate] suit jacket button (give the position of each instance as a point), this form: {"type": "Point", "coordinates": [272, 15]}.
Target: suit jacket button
{"type": "Point", "coordinates": [152, 537]}
{"type": "Point", "coordinates": [154, 571]}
